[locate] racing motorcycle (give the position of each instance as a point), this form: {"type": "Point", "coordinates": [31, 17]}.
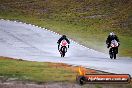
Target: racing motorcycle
{"type": "Point", "coordinates": [63, 48]}
{"type": "Point", "coordinates": [113, 49]}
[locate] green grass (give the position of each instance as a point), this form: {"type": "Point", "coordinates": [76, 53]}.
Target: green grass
{"type": "Point", "coordinates": [36, 71]}
{"type": "Point", "coordinates": [87, 22]}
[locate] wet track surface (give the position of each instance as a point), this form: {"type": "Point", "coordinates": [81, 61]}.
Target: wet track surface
{"type": "Point", "coordinates": [31, 43]}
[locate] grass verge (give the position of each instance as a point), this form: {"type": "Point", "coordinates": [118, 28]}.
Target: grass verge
{"type": "Point", "coordinates": [36, 71]}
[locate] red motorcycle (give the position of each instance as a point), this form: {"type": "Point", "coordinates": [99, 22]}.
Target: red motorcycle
{"type": "Point", "coordinates": [113, 49]}
{"type": "Point", "coordinates": [63, 48]}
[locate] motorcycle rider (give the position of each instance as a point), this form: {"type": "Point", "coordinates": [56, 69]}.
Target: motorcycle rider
{"type": "Point", "coordinates": [63, 38]}
{"type": "Point", "coordinates": [111, 37]}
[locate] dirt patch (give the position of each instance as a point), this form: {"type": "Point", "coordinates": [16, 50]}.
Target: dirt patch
{"type": "Point", "coordinates": [45, 85]}
{"type": "Point", "coordinates": [60, 85]}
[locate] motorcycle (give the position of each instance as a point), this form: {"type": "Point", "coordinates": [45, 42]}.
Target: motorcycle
{"type": "Point", "coordinates": [113, 49]}
{"type": "Point", "coordinates": [63, 48]}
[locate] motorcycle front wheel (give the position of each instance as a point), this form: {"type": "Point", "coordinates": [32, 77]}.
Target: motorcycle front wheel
{"type": "Point", "coordinates": [63, 51]}
{"type": "Point", "coordinates": [111, 55]}
{"type": "Point", "coordinates": [114, 55]}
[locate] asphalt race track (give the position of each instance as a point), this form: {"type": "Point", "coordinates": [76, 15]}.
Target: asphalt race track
{"type": "Point", "coordinates": [26, 41]}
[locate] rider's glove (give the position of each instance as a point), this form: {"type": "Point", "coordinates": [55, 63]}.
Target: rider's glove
{"type": "Point", "coordinates": [108, 45]}
{"type": "Point", "coordinates": [58, 46]}
{"type": "Point", "coordinates": [119, 44]}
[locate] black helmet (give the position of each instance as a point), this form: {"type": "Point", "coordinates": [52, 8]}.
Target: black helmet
{"type": "Point", "coordinates": [64, 36]}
